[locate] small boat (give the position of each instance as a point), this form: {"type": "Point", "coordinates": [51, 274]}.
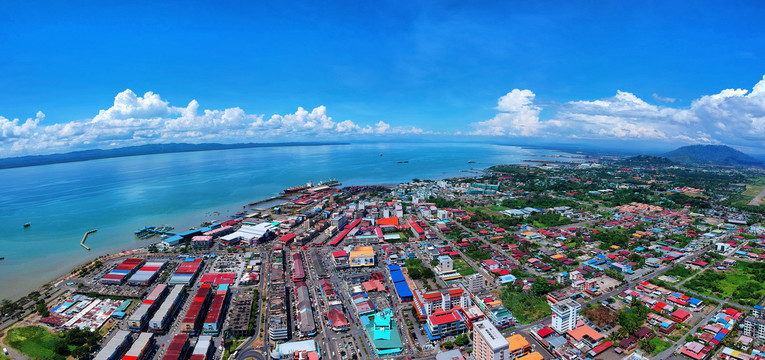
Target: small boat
{"type": "Point", "coordinates": [27, 225]}
{"type": "Point", "coordinates": [2, 257]}
{"type": "Point", "coordinates": [471, 162]}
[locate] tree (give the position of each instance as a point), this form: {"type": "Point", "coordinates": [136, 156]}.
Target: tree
{"type": "Point", "coordinates": [433, 262]}
{"type": "Point", "coordinates": [60, 347]}
{"type": "Point", "coordinates": [448, 345]}
{"type": "Point", "coordinates": [428, 273]}
{"type": "Point", "coordinates": [415, 273]}
{"type": "Point", "coordinates": [81, 352]}
{"type": "Point", "coordinates": [647, 345]}
{"type": "Point", "coordinates": [462, 340]}
{"type": "Point", "coordinates": [42, 309]}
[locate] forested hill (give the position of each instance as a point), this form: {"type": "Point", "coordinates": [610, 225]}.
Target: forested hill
{"type": "Point", "coordinates": [711, 154]}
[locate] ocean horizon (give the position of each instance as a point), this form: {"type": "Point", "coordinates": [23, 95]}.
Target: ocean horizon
{"type": "Point", "coordinates": [119, 195]}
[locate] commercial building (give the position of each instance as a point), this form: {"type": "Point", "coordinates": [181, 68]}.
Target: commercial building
{"type": "Point", "coordinates": [382, 330]}
{"type": "Point", "coordinates": [178, 348]}
{"type": "Point", "coordinates": [298, 272]}
{"type": "Point", "coordinates": [216, 315]}
{"type": "Point", "coordinates": [292, 350]}
{"type": "Point", "coordinates": [147, 273]}
{"type": "Point", "coordinates": [564, 315]}
{"type": "Point", "coordinates": [195, 314]}
{"type": "Point", "coordinates": [121, 272]}
{"type": "Point", "coordinates": [116, 347]}
{"type": "Point", "coordinates": [400, 284]}
{"type": "Point", "coordinates": [241, 310]}
{"type": "Point", "coordinates": [426, 303]}
{"type": "Point", "coordinates": [306, 322]}
{"type": "Point", "coordinates": [204, 348]}
{"type": "Point", "coordinates": [362, 256]}
{"type": "Point", "coordinates": [488, 342]}
{"type": "Point", "coordinates": [164, 315]}
{"type": "Point", "coordinates": [187, 272]}
{"type": "Point", "coordinates": [518, 346]}
{"type": "Point", "coordinates": [475, 283]}
{"type": "Point", "coordinates": [140, 317]}
{"type": "Point", "coordinates": [142, 348]}
{"type": "Point", "coordinates": [444, 323]}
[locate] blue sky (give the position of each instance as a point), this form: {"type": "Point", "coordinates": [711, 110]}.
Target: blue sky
{"type": "Point", "coordinates": [379, 70]}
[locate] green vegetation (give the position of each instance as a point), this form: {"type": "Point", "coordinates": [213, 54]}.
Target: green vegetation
{"type": "Point", "coordinates": [463, 267]}
{"type": "Point", "coordinates": [526, 307]}
{"type": "Point", "coordinates": [610, 237]}
{"type": "Point", "coordinates": [742, 284]}
{"type": "Point", "coordinates": [33, 341]}
{"type": "Point", "coordinates": [473, 252]}
{"type": "Point", "coordinates": [658, 345]}
{"type": "Point", "coordinates": [680, 272]}
{"type": "Point", "coordinates": [417, 271]}
{"type": "Point", "coordinates": [541, 202]}
{"type": "Point", "coordinates": [633, 318]}
{"type": "Point", "coordinates": [694, 202]}
{"type": "Point", "coordinates": [38, 343]}
{"type": "Point", "coordinates": [462, 340]}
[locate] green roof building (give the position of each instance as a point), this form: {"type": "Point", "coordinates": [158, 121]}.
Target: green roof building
{"type": "Point", "coordinates": [382, 329]}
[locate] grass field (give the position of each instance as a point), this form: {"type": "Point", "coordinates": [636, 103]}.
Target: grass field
{"type": "Point", "coordinates": [463, 268]}
{"type": "Point", "coordinates": [33, 341]}
{"type": "Point", "coordinates": [660, 344]}
{"type": "Point", "coordinates": [524, 307]}
{"type": "Point", "coordinates": [751, 191]}
{"type": "Point", "coordinates": [742, 284]}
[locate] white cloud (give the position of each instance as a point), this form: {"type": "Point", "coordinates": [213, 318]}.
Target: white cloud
{"type": "Point", "coordinates": [136, 120]}
{"type": "Point", "coordinates": [663, 99]}
{"type": "Point", "coordinates": [517, 116]}
{"type": "Point", "coordinates": [732, 116]}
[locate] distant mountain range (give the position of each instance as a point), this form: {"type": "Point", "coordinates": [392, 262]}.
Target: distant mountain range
{"type": "Point", "coordinates": [85, 155]}
{"type": "Point", "coordinates": [694, 155]}
{"type": "Point", "coordinates": [711, 155]}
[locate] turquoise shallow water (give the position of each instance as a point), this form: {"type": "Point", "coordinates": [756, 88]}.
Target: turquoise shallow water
{"type": "Point", "coordinates": [119, 195]}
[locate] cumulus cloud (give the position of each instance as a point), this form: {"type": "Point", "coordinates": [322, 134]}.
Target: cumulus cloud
{"type": "Point", "coordinates": [732, 116]}
{"type": "Point", "coordinates": [517, 116]}
{"type": "Point", "coordinates": [136, 120]}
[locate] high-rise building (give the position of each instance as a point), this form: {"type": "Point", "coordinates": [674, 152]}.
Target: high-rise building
{"type": "Point", "coordinates": [564, 315]}
{"type": "Point", "coordinates": [488, 342]}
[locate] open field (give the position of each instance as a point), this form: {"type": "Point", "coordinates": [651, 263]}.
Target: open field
{"type": "Point", "coordinates": [33, 341]}
{"type": "Point", "coordinates": [526, 308]}
{"type": "Point", "coordinates": [742, 283]}
{"type": "Point", "coordinates": [463, 268]}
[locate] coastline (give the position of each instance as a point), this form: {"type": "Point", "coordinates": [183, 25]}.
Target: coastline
{"type": "Point", "coordinates": [146, 200]}
{"type": "Point", "coordinates": [136, 247]}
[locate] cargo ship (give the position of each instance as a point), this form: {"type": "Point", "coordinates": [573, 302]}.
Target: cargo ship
{"type": "Point", "coordinates": [295, 189]}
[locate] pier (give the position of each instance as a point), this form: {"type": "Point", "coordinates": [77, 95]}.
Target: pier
{"type": "Point", "coordinates": [85, 237]}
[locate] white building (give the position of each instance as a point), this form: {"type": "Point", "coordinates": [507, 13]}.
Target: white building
{"type": "Point", "coordinates": [475, 283]}
{"type": "Point", "coordinates": [489, 344]}
{"type": "Point", "coordinates": [445, 264]}
{"type": "Point", "coordinates": [564, 315]}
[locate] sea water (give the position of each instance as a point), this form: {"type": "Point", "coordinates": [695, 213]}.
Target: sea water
{"type": "Point", "coordinates": [120, 195]}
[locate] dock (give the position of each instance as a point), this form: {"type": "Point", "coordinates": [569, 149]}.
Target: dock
{"type": "Point", "coordinates": [85, 237]}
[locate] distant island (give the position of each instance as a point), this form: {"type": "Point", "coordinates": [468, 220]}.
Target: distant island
{"type": "Point", "coordinates": [711, 155]}
{"type": "Point", "coordinates": [85, 155]}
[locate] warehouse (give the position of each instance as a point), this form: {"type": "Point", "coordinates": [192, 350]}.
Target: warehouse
{"type": "Point", "coordinates": [116, 347]}
{"type": "Point", "coordinates": [166, 312]}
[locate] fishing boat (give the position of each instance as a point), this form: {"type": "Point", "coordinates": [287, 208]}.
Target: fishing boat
{"type": "Point", "coordinates": [27, 225]}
